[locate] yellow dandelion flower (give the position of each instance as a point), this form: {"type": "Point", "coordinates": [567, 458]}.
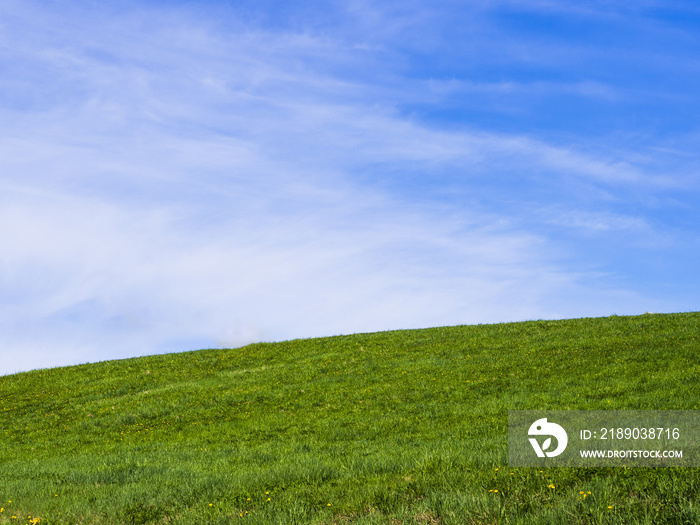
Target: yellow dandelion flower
{"type": "Point", "coordinates": [551, 486]}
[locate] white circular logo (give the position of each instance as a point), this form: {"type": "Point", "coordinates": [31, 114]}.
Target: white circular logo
{"type": "Point", "coordinates": [542, 428]}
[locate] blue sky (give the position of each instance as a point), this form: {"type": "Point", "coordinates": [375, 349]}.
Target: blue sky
{"type": "Point", "coordinates": [184, 175]}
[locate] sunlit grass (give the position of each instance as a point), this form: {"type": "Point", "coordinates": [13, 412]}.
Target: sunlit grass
{"type": "Point", "coordinates": [394, 427]}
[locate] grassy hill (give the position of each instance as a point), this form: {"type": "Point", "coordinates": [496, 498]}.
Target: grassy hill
{"type": "Point", "coordinates": [393, 427]}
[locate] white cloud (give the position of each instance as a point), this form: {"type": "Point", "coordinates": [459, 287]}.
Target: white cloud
{"type": "Point", "coordinates": [597, 221]}
{"type": "Point", "coordinates": [92, 279]}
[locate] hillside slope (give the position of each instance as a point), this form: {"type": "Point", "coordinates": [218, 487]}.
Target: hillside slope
{"type": "Point", "coordinates": [392, 427]}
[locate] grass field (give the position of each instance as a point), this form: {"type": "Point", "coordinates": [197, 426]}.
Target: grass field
{"type": "Point", "coordinates": [392, 427]}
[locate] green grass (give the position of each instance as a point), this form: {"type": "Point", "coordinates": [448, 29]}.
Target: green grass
{"type": "Point", "coordinates": [393, 427]}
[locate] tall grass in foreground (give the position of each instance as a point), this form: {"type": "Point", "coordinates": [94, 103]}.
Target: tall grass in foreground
{"type": "Point", "coordinates": [393, 427]}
